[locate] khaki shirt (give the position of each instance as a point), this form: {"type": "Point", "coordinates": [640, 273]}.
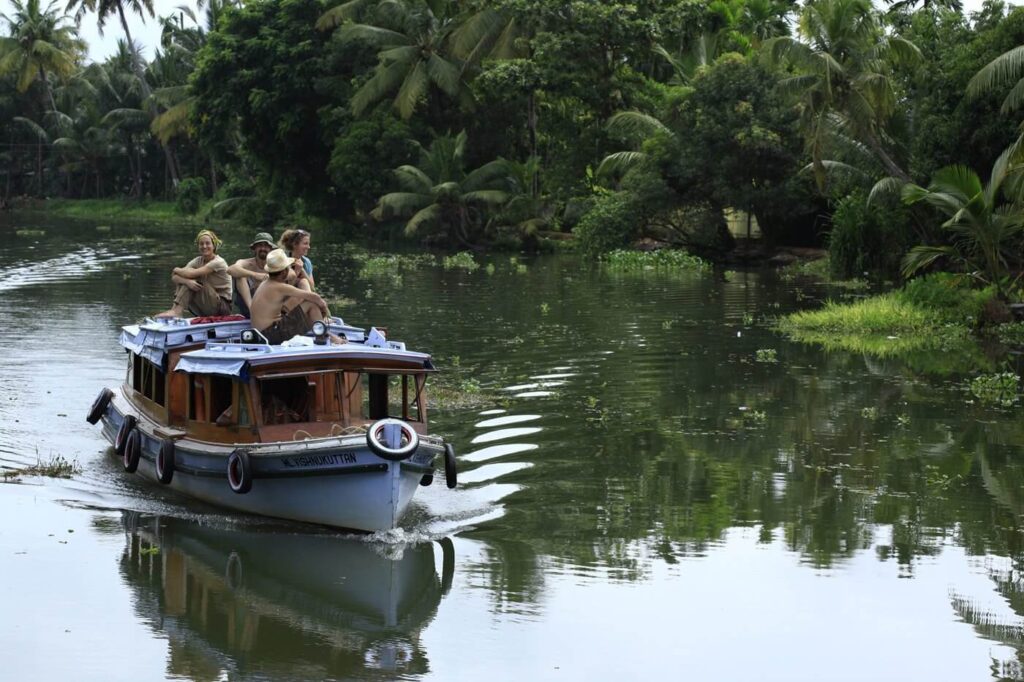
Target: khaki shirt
{"type": "Point", "coordinates": [219, 279]}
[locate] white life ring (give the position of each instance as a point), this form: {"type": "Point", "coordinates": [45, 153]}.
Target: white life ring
{"type": "Point", "coordinates": [409, 440]}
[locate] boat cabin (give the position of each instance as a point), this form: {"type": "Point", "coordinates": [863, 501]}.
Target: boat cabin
{"type": "Point", "coordinates": [207, 383]}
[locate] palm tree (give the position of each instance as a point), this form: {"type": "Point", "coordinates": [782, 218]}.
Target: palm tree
{"type": "Point", "coordinates": [636, 126]}
{"type": "Point", "coordinates": [104, 9]}
{"type": "Point", "coordinates": [984, 221]}
{"type": "Point", "coordinates": [440, 194]}
{"type": "Point", "coordinates": [40, 43]}
{"type": "Point", "coordinates": [413, 54]}
{"type": "Point", "coordinates": [842, 78]}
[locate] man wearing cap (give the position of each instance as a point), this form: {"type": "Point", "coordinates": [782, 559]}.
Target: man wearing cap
{"type": "Point", "coordinates": [249, 273]}
{"type": "Point", "coordinates": [281, 310]}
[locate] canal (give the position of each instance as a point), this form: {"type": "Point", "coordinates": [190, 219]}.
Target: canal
{"type": "Point", "coordinates": [653, 485]}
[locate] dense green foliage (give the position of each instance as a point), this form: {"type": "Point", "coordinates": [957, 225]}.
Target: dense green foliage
{"type": "Point", "coordinates": [613, 121]}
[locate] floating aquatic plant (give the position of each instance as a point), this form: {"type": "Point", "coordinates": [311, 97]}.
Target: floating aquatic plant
{"type": "Point", "coordinates": [996, 389]}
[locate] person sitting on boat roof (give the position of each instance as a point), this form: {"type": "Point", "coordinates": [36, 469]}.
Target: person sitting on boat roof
{"type": "Point", "coordinates": [281, 310]}
{"type": "Point", "coordinates": [295, 242]}
{"type": "Point", "coordinates": [203, 286]}
{"type": "Point", "coordinates": [249, 273]}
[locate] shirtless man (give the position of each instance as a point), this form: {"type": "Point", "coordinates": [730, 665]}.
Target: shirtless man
{"type": "Point", "coordinates": [280, 310]}
{"type": "Point", "coordinates": [249, 273]}
{"type": "Point", "coordinates": [203, 286]}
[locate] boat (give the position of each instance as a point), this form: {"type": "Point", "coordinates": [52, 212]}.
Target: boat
{"type": "Point", "coordinates": [239, 599]}
{"type": "Point", "coordinates": [309, 430]}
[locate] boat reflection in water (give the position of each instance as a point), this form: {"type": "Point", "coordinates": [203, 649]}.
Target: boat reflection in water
{"type": "Point", "coordinates": [276, 604]}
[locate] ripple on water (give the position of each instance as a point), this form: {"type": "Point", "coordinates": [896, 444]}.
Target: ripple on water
{"type": "Point", "coordinates": [496, 451]}
{"type": "Point", "coordinates": [502, 434]}
{"type": "Point", "coordinates": [510, 419]}
{"type": "Point", "coordinates": [68, 267]}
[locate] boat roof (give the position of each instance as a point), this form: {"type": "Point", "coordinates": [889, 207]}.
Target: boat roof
{"type": "Point", "coordinates": [152, 339]}
{"type": "Point", "coordinates": [238, 359]}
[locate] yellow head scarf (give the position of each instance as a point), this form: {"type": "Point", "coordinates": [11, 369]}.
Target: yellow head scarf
{"type": "Point", "coordinates": [213, 238]}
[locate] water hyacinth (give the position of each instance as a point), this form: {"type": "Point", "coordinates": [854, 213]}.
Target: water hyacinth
{"type": "Point", "coordinates": [669, 259]}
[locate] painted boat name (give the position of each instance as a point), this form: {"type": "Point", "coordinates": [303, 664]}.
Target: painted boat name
{"type": "Point", "coordinates": [319, 460]}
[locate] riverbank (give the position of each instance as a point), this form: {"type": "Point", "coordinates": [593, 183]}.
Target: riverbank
{"type": "Point", "coordinates": [116, 210]}
{"type": "Point", "coordinates": [939, 321]}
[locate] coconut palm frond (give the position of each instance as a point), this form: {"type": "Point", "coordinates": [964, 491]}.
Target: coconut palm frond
{"type": "Point", "coordinates": [1004, 69]}
{"type": "Point", "coordinates": [426, 215]}
{"type": "Point", "coordinates": [884, 187]}
{"type": "Point", "coordinates": [618, 164]}
{"type": "Point", "coordinates": [922, 257]}
{"type": "Point", "coordinates": [634, 124]}
{"type": "Point", "coordinates": [490, 197]}
{"type": "Point", "coordinates": [32, 127]}
{"type": "Point", "coordinates": [336, 16]}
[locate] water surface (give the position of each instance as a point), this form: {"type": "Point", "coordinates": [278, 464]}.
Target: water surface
{"type": "Point", "coordinates": [640, 497]}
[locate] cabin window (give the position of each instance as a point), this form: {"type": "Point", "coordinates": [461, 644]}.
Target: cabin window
{"type": "Point", "coordinates": [384, 395]}
{"type": "Point", "coordinates": [287, 400]}
{"type": "Point", "coordinates": [147, 379]}
{"type": "Point", "coordinates": [221, 394]}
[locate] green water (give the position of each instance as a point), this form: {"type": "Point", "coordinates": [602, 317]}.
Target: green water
{"type": "Point", "coordinates": [640, 497]}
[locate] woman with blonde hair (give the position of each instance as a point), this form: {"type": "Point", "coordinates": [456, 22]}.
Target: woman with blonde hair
{"type": "Point", "coordinates": [295, 242]}
{"type": "Point", "coordinates": [203, 287]}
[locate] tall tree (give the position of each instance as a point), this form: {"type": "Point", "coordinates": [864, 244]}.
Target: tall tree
{"type": "Point", "coordinates": [104, 9]}
{"type": "Point", "coordinates": [414, 56]}
{"type": "Point", "coordinates": [42, 41]}
{"type": "Point", "coordinates": [842, 59]}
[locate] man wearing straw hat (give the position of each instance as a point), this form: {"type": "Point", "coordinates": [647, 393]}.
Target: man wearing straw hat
{"type": "Point", "coordinates": [203, 286]}
{"type": "Point", "coordinates": [281, 310]}
{"type": "Point", "coordinates": [249, 273]}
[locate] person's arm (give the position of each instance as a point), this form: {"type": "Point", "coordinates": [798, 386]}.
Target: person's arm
{"type": "Point", "coordinates": [307, 267]}
{"type": "Point", "coordinates": [190, 283]}
{"type": "Point", "coordinates": [216, 264]}
{"type": "Point", "coordinates": [239, 271]}
{"type": "Point", "coordinates": [308, 296]}
{"type": "Point", "coordinates": [242, 287]}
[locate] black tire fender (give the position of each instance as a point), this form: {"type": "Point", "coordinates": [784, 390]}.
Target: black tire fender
{"type": "Point", "coordinates": [132, 451]}
{"type": "Point", "coordinates": [127, 426]}
{"type": "Point", "coordinates": [165, 461]}
{"type": "Point", "coordinates": [240, 471]}
{"type": "Point", "coordinates": [451, 473]}
{"type": "Point", "coordinates": [99, 406]}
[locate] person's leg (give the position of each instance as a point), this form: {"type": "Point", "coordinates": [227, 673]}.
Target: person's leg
{"type": "Point", "coordinates": [182, 300]}
{"type": "Point", "coordinates": [205, 302]}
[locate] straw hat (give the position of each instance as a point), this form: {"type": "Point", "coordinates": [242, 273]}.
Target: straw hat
{"type": "Point", "coordinates": [277, 260]}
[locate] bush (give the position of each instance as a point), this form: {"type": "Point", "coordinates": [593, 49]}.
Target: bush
{"type": "Point", "coordinates": [611, 223]}
{"type": "Point", "coordinates": [947, 295]}
{"type": "Point", "coordinates": [866, 239]}
{"type": "Point", "coordinates": [189, 195]}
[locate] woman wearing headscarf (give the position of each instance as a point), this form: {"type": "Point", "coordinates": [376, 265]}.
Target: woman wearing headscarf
{"type": "Point", "coordinates": [295, 242]}
{"type": "Point", "coordinates": [203, 287]}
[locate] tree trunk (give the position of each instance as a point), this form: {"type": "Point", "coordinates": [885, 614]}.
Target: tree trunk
{"type": "Point", "coordinates": [890, 166]}
{"type": "Point", "coordinates": [213, 175]}
{"type": "Point", "coordinates": [532, 123]}
{"type": "Point", "coordinates": [146, 94]}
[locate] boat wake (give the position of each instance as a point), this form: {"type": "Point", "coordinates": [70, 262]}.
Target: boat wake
{"type": "Point", "coordinates": [69, 267]}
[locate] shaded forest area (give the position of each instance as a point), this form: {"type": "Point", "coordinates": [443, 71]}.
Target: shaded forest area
{"type": "Point", "coordinates": [889, 136]}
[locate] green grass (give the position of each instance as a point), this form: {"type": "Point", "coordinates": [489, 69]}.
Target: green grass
{"type": "Point", "coordinates": [122, 209]}
{"type": "Point", "coordinates": [926, 324]}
